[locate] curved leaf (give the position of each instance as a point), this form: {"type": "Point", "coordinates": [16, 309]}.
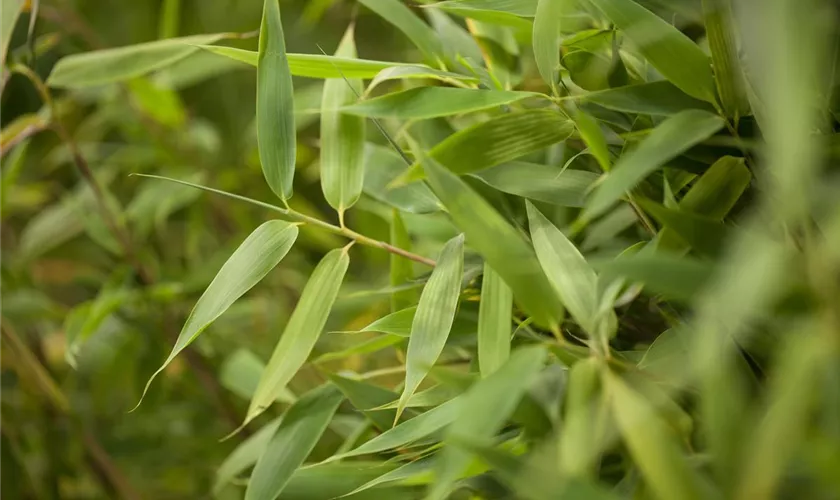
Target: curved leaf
{"type": "Point", "coordinates": [655, 98]}
{"type": "Point", "coordinates": [430, 102]}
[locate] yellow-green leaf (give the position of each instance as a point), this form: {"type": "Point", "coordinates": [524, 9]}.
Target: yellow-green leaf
{"type": "Point", "coordinates": [275, 105]}
{"type": "Point", "coordinates": [546, 39]}
{"type": "Point", "coordinates": [302, 330]}
{"type": "Point", "coordinates": [494, 320]}
{"type": "Point", "coordinates": [667, 49]}
{"type": "Point", "coordinates": [593, 136]}
{"type": "Point", "coordinates": [261, 251]}
{"type": "Point", "coordinates": [342, 138]}
{"type": "Point", "coordinates": [433, 319]}
{"type": "Point", "coordinates": [420, 33]}
{"type": "Point", "coordinates": [430, 102]}
{"type": "Point", "coordinates": [660, 98]}
{"type": "Point", "coordinates": [729, 77]}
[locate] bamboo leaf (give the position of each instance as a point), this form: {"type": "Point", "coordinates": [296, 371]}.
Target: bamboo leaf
{"type": "Point", "coordinates": [420, 33]}
{"type": "Point", "coordinates": [430, 102]}
{"type": "Point", "coordinates": [486, 406]}
{"type": "Point", "coordinates": [9, 15]}
{"type": "Point", "coordinates": [499, 243]}
{"type": "Point", "coordinates": [297, 435]}
{"type": "Point", "coordinates": [570, 275]}
{"type": "Point", "coordinates": [315, 65]}
{"type": "Point", "coordinates": [660, 98]}
{"type": "Point", "coordinates": [418, 72]}
{"type": "Point", "coordinates": [401, 270]}
{"type": "Point", "coordinates": [668, 140]}
{"type": "Point", "coordinates": [244, 456]}
{"type": "Point", "coordinates": [704, 234]}
{"type": "Point", "coordinates": [652, 447]}
{"type": "Point", "coordinates": [546, 39]}
{"type": "Point", "coordinates": [409, 431]}
{"type": "Point", "coordinates": [676, 277]}
{"type": "Point", "coordinates": [342, 138]}
{"type": "Point", "coordinates": [100, 67]}
{"type": "Point", "coordinates": [275, 105]}
{"type": "Point", "coordinates": [566, 188]}
{"type": "Point", "coordinates": [383, 167]}
{"type": "Point", "coordinates": [593, 136]}
{"type": "Point", "coordinates": [494, 320]}
{"type": "Point", "coordinates": [729, 77]}
{"type": "Point", "coordinates": [261, 251]}
{"type": "Point", "coordinates": [433, 319]}
{"type": "Point", "coordinates": [364, 397]}
{"type": "Point", "coordinates": [672, 53]}
{"type": "Point", "coordinates": [302, 330]}
{"type": "Point", "coordinates": [498, 140]}
{"type": "Point", "coordinates": [336, 480]}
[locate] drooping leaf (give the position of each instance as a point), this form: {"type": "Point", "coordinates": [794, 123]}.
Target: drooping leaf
{"type": "Point", "coordinates": [653, 449]}
{"type": "Point", "coordinates": [409, 431]}
{"type": "Point", "coordinates": [667, 49]}
{"type": "Point", "coordinates": [486, 407]}
{"type": "Point", "coordinates": [255, 257]}
{"type": "Point", "coordinates": [659, 98]}
{"type": "Point", "coordinates": [105, 66]}
{"type": "Point", "coordinates": [540, 182]}
{"type": "Point", "coordinates": [401, 270]}
{"type": "Point", "coordinates": [313, 65]}
{"type": "Point", "coordinates": [275, 105]}
{"type": "Point", "coordinates": [302, 330]}
{"type": "Point", "coordinates": [498, 140]}
{"type": "Point", "coordinates": [433, 319]}
{"type": "Point", "coordinates": [420, 33]}
{"type": "Point", "coordinates": [364, 396]}
{"type": "Point", "coordinates": [729, 76]}
{"type": "Point", "coordinates": [593, 136]}
{"type": "Point", "coordinates": [671, 138]}
{"type": "Point", "coordinates": [366, 347]}
{"type": "Point", "coordinates": [499, 243]}
{"type": "Point", "coordinates": [546, 39]}
{"type": "Point", "coordinates": [297, 435]}
{"type": "Point", "coordinates": [568, 272]}
{"type": "Point", "coordinates": [494, 320]}
{"type": "Point", "coordinates": [579, 439]}
{"type": "Point", "coordinates": [244, 455]}
{"type": "Point", "coordinates": [342, 138]}
{"type": "Point", "coordinates": [419, 72]}
{"type": "Point", "coordinates": [430, 102]}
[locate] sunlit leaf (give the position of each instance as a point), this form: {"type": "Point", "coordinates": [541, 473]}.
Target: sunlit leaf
{"type": "Point", "coordinates": [429, 102]}
{"type": "Point", "coordinates": [418, 72]}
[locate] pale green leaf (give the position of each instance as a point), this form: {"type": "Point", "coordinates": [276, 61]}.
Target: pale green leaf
{"type": "Point", "coordinates": [9, 15]}
{"type": "Point", "coordinates": [302, 330]}
{"type": "Point", "coordinates": [566, 188]}
{"type": "Point", "coordinates": [494, 12]}
{"type": "Point", "coordinates": [297, 435]}
{"type": "Point", "coordinates": [420, 33]}
{"type": "Point", "coordinates": [498, 242]}
{"type": "Point", "coordinates": [668, 140]}
{"type": "Point", "coordinates": [430, 102]}
{"type": "Point", "coordinates": [365, 397]}
{"type": "Point", "coordinates": [123, 63]}
{"type": "Point", "coordinates": [416, 472]}
{"type": "Point", "coordinates": [244, 456]}
{"type": "Point", "coordinates": [382, 167]}
{"type": "Point", "coordinates": [729, 77]}
{"type": "Point", "coordinates": [401, 270]}
{"type": "Point", "coordinates": [494, 321]}
{"type": "Point", "coordinates": [546, 39]}
{"type": "Point", "coordinates": [486, 406]}
{"type": "Point", "coordinates": [419, 72]}
{"type": "Point", "coordinates": [335, 480]}
{"type": "Point", "coordinates": [368, 346]}
{"type": "Point", "coordinates": [679, 278]}
{"type": "Point", "coordinates": [667, 49]}
{"type": "Point", "coordinates": [261, 251]}
{"type": "Point", "coordinates": [655, 98]}
{"type": "Point", "coordinates": [593, 136]}
{"type": "Point", "coordinates": [240, 373]}
{"type": "Point", "coordinates": [275, 105]}
{"type": "Point", "coordinates": [342, 138]}
{"type": "Point", "coordinates": [433, 319]}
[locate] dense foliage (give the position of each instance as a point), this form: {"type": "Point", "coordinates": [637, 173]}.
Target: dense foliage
{"type": "Point", "coordinates": [538, 249]}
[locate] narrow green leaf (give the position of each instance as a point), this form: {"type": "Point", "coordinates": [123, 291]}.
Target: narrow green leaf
{"type": "Point", "coordinates": [546, 39]}
{"type": "Point", "coordinates": [302, 330]}
{"type": "Point", "coordinates": [572, 278]}
{"type": "Point", "coordinates": [494, 320]}
{"type": "Point", "coordinates": [704, 234]}
{"type": "Point", "coordinates": [409, 431]}
{"type": "Point", "coordinates": [342, 138]}
{"type": "Point", "coordinates": [335, 480]}
{"type": "Point", "coordinates": [244, 456]}
{"type": "Point", "coordinates": [368, 346]}
{"type": "Point", "coordinates": [486, 406]}
{"type": "Point", "coordinates": [314, 65]}
{"type": "Point", "coordinates": [123, 63]}
{"type": "Point", "coordinates": [593, 136]}
{"type": "Point", "coordinates": [240, 373]}
{"type": "Point", "coordinates": [9, 15]}
{"type": "Point", "coordinates": [430, 102]}
{"type": "Point", "coordinates": [668, 140]}
{"type": "Point", "coordinates": [729, 78]}
{"type": "Point", "coordinates": [297, 435]}
{"type": "Point", "coordinates": [275, 105]}
{"type": "Point", "coordinates": [672, 53]}
{"type": "Point", "coordinates": [493, 12]}
{"type": "Point", "coordinates": [365, 397]}
{"type": "Point", "coordinates": [659, 98]}
{"type": "Point", "coordinates": [680, 278]}
{"type": "Point", "coordinates": [653, 449]}
{"type": "Point", "coordinates": [416, 472]}
{"type": "Point", "coordinates": [498, 242]}
{"type": "Point", "coordinates": [383, 166]}
{"type": "Point", "coordinates": [418, 72]}
{"type": "Point", "coordinates": [420, 33]}
{"type": "Point", "coordinates": [498, 140]}
{"type": "Point", "coordinates": [261, 251]}
{"type": "Point", "coordinates": [396, 323]}
{"type": "Point", "coordinates": [579, 440]}
{"type": "Point", "coordinates": [433, 319]}
{"type": "Point", "coordinates": [402, 270]}
{"type": "Point", "coordinates": [565, 188]}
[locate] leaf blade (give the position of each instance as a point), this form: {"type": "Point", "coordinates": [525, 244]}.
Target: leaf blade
{"type": "Point", "coordinates": [494, 320]}
{"type": "Point", "coordinates": [422, 103]}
